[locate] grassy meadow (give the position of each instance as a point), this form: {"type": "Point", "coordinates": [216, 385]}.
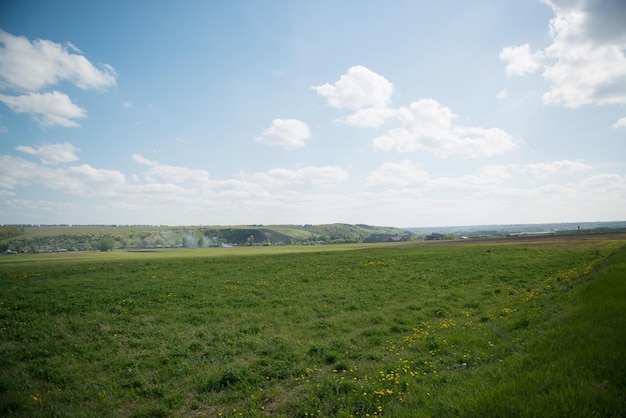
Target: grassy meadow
{"type": "Point", "coordinates": [488, 329]}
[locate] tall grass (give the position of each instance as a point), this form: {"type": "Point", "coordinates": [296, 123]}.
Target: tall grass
{"type": "Point", "coordinates": [424, 331]}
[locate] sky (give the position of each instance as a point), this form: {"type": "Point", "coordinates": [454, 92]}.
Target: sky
{"type": "Point", "coordinates": [403, 113]}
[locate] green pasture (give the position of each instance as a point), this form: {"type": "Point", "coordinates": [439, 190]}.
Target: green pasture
{"type": "Point", "coordinates": [176, 253]}
{"type": "Point", "coordinates": [492, 329]}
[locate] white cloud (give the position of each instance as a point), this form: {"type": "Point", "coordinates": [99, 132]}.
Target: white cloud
{"type": "Point", "coordinates": [270, 184]}
{"type": "Point", "coordinates": [520, 60]}
{"type": "Point", "coordinates": [88, 180]}
{"type": "Point", "coordinates": [161, 192]}
{"type": "Point", "coordinates": [620, 123]}
{"type": "Point", "coordinates": [402, 192]}
{"type": "Point", "coordinates": [49, 109]}
{"type": "Point", "coordinates": [427, 125]}
{"type": "Point", "coordinates": [407, 175]}
{"type": "Point", "coordinates": [370, 117]}
{"type": "Point", "coordinates": [585, 71]}
{"type": "Point", "coordinates": [358, 88]}
{"type": "Point", "coordinates": [172, 174]}
{"type": "Point", "coordinates": [15, 171]}
{"type": "Point", "coordinates": [286, 133]}
{"type": "Point", "coordinates": [127, 104]}
{"type": "Point", "coordinates": [495, 194]}
{"type": "Point", "coordinates": [32, 66]}
{"type": "Point", "coordinates": [586, 61]}
{"type": "Point", "coordinates": [52, 153]}
{"type": "Point", "coordinates": [613, 186]}
{"type": "Point", "coordinates": [543, 170]}
{"type": "Point", "coordinates": [398, 175]}
{"type": "Point", "coordinates": [303, 178]}
{"type": "Point", "coordinates": [82, 180]}
{"type": "Point", "coordinates": [502, 94]}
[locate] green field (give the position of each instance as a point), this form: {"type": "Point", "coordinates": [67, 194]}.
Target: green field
{"type": "Point", "coordinates": [532, 328]}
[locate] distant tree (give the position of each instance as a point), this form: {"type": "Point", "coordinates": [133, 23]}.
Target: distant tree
{"type": "Point", "coordinates": [106, 244]}
{"type": "Point", "coordinates": [251, 240]}
{"type": "Point", "coordinates": [10, 231]}
{"type": "Point", "coordinates": [200, 242]}
{"type": "Point", "coordinates": [187, 242]}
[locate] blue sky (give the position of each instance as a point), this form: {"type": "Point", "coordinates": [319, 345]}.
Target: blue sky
{"type": "Point", "coordinates": [398, 113]}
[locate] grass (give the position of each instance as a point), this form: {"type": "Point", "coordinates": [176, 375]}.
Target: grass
{"type": "Point", "coordinates": [495, 330]}
{"type": "Point", "coordinates": [576, 368]}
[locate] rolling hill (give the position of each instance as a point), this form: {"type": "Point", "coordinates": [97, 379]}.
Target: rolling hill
{"type": "Point", "coordinates": [31, 238]}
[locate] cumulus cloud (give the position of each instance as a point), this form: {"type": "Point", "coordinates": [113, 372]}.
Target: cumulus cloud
{"type": "Point", "coordinates": [171, 174]}
{"type": "Point", "coordinates": [398, 175]}
{"type": "Point", "coordinates": [543, 170]}
{"type": "Point", "coordinates": [31, 66]}
{"type": "Point", "coordinates": [15, 171]}
{"type": "Point", "coordinates": [427, 125]}
{"type": "Point", "coordinates": [405, 175]}
{"type": "Point", "coordinates": [403, 191]}
{"type": "Point", "coordinates": [358, 88]}
{"type": "Point", "coordinates": [370, 117]}
{"type": "Point", "coordinates": [34, 65]}
{"type": "Point", "coordinates": [520, 60]}
{"type": "Point", "coordinates": [49, 109]}
{"type": "Point", "coordinates": [303, 178]}
{"type": "Point", "coordinates": [51, 154]}
{"type": "Point", "coordinates": [83, 180]}
{"type": "Point", "coordinates": [620, 123]}
{"type": "Point", "coordinates": [585, 62]}
{"type": "Point", "coordinates": [286, 133]}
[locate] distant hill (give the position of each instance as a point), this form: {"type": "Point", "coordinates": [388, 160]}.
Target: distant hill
{"type": "Point", "coordinates": [302, 234]}
{"type": "Point", "coordinates": [492, 230]}
{"type": "Point", "coordinates": [31, 238]}
{"type": "Point", "coordinates": [45, 238]}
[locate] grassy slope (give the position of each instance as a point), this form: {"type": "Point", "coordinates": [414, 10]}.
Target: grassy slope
{"type": "Point", "coordinates": [52, 236]}
{"type": "Point", "coordinates": [577, 366]}
{"type": "Point", "coordinates": [342, 333]}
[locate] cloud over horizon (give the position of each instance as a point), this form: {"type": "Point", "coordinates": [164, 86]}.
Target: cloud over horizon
{"type": "Point", "coordinates": [51, 154]}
